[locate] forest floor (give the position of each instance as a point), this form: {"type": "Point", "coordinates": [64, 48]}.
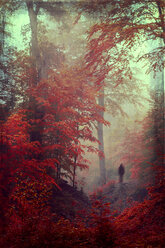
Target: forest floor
{"type": "Point", "coordinates": [69, 200]}
{"type": "Point", "coordinates": [123, 195]}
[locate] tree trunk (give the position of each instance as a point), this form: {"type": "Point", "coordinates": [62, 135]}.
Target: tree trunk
{"type": "Point", "coordinates": [74, 170]}
{"type": "Point", "coordinates": [101, 144]}
{"type": "Point", "coordinates": [37, 129]}
{"type": "Point", "coordinates": [75, 163]}
{"type": "Point", "coordinates": [34, 40]}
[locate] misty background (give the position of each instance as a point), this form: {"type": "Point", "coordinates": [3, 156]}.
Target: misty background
{"type": "Point", "coordinates": [68, 34]}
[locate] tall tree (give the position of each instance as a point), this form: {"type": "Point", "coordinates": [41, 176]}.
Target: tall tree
{"type": "Point", "coordinates": [101, 141]}
{"type": "Point", "coordinates": [40, 60]}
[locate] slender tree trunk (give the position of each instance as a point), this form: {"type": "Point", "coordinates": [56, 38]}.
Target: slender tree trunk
{"type": "Point", "coordinates": [160, 94]}
{"type": "Point", "coordinates": [2, 35]}
{"type": "Point", "coordinates": [37, 129]}
{"type": "Point", "coordinates": [74, 170]}
{"type": "Point", "coordinates": [32, 12]}
{"type": "Point", "coordinates": [101, 140]}
{"type": "Point", "coordinates": [75, 164]}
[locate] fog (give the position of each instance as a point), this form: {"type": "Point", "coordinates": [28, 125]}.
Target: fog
{"type": "Point", "coordinates": [71, 39]}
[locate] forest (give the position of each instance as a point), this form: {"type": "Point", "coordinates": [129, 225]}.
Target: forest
{"type": "Point", "coordinates": [82, 124]}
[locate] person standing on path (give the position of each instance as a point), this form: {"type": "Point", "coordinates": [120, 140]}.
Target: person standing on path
{"type": "Point", "coordinates": [121, 172]}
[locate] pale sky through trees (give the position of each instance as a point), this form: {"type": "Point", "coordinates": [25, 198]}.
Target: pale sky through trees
{"type": "Point", "coordinates": [135, 114]}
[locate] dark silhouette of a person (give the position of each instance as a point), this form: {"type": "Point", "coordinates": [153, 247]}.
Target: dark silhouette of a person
{"type": "Point", "coordinates": [121, 172]}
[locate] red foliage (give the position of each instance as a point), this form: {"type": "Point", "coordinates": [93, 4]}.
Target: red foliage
{"type": "Point", "coordinates": [68, 112]}
{"type": "Point", "coordinates": [143, 224]}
